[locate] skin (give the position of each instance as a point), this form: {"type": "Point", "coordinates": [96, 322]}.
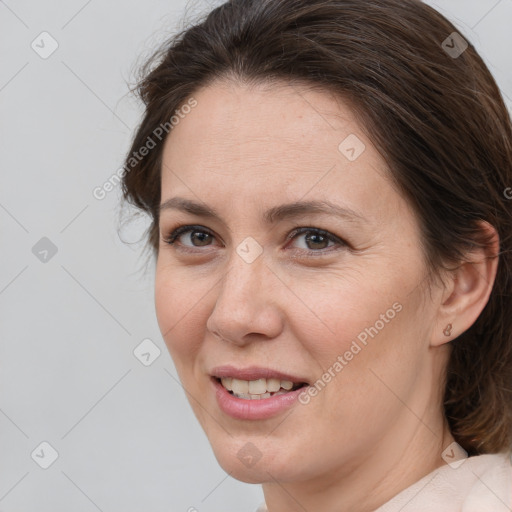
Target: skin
{"type": "Point", "coordinates": [378, 426]}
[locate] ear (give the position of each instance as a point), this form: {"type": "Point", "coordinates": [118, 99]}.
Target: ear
{"type": "Point", "coordinates": [467, 289]}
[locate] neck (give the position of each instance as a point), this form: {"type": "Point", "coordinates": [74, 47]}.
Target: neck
{"type": "Point", "coordinates": [410, 450]}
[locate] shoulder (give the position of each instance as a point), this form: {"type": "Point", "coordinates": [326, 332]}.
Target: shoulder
{"type": "Point", "coordinates": [481, 483]}
{"type": "Point", "coordinates": [492, 487]}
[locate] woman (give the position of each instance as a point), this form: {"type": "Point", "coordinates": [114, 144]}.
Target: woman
{"type": "Point", "coordinates": [326, 181]}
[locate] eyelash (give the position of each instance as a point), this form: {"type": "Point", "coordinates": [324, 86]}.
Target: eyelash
{"type": "Point", "coordinates": [180, 230]}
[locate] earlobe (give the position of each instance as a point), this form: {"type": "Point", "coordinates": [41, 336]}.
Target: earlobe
{"type": "Point", "coordinates": [468, 290]}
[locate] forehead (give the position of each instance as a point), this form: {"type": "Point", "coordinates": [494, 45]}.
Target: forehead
{"type": "Point", "coordinates": [256, 144]}
{"type": "Point", "coordinates": [233, 120]}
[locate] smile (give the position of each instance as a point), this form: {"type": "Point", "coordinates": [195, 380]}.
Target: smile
{"type": "Point", "coordinates": [258, 389]}
{"type": "Point", "coordinates": [254, 393]}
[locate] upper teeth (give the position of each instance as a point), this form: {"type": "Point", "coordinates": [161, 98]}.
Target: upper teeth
{"type": "Point", "coordinates": [255, 387]}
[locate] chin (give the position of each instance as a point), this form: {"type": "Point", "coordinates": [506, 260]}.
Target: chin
{"type": "Point", "coordinates": [257, 461]}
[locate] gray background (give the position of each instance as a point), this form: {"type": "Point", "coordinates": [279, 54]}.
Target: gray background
{"type": "Point", "coordinates": [124, 432]}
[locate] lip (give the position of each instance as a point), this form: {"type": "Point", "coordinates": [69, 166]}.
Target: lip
{"type": "Point", "coordinates": [262, 409]}
{"type": "Point", "coordinates": [253, 373]}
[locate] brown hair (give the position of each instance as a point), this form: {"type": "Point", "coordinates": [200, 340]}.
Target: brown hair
{"type": "Point", "coordinates": [438, 120]}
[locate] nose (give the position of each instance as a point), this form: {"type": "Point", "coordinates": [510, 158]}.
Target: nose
{"type": "Point", "coordinates": [246, 308]}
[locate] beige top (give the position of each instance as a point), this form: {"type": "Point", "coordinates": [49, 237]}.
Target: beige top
{"type": "Point", "coordinates": [481, 483]}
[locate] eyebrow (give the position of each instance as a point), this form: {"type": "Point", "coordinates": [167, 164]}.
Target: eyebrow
{"type": "Point", "coordinates": [274, 214]}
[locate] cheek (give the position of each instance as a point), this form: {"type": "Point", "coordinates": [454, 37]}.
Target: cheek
{"type": "Point", "coordinates": [366, 330]}
{"type": "Point", "coordinates": [178, 312]}
{"type": "Point", "coordinates": [376, 356]}
{"type": "Point", "coordinates": [352, 311]}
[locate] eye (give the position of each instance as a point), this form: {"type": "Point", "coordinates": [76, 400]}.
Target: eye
{"type": "Point", "coordinates": [315, 240]}
{"type": "Point", "coordinates": [196, 233]}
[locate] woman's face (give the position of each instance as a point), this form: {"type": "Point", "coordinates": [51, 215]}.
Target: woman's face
{"type": "Point", "coordinates": [268, 298]}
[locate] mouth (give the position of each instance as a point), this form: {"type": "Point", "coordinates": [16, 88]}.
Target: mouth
{"type": "Point", "coordinates": [255, 393]}
{"type": "Point", "coordinates": [258, 389]}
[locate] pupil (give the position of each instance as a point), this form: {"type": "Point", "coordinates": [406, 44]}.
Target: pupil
{"type": "Point", "coordinates": [202, 236]}
{"type": "Point", "coordinates": [309, 238]}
